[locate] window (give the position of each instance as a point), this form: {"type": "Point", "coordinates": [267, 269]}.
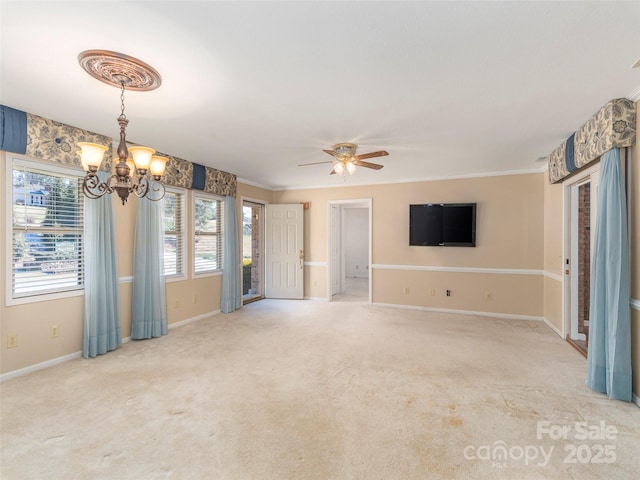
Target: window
{"type": "Point", "coordinates": [47, 230]}
{"type": "Point", "coordinates": [207, 247]}
{"type": "Point", "coordinates": [173, 221]}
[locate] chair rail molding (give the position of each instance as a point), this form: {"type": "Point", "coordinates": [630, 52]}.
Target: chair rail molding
{"type": "Point", "coordinates": [437, 268]}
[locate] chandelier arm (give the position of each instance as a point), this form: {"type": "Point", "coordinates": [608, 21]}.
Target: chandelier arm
{"type": "Point", "coordinates": [156, 191]}
{"type": "Point", "coordinates": [111, 183]}
{"type": "Point", "coordinates": [141, 188]}
{"type": "Point", "coordinates": [93, 188]}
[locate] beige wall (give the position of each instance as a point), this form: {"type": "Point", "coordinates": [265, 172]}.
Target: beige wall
{"type": "Point", "coordinates": [553, 253]}
{"type": "Point", "coordinates": [252, 192]}
{"type": "Point", "coordinates": [509, 236]}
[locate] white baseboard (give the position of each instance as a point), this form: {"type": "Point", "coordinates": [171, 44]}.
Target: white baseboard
{"type": "Point", "coordinates": [39, 366]}
{"type": "Point", "coordinates": [73, 356]}
{"type": "Point", "coordinates": [511, 316]}
{"type": "Point", "coordinates": [192, 319]}
{"type": "Point", "coordinates": [316, 298]}
{"type": "Point", "coordinates": [553, 327]}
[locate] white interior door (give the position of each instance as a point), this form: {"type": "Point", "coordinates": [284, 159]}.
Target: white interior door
{"type": "Point", "coordinates": [284, 251]}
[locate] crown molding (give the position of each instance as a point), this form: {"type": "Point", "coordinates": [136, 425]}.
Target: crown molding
{"type": "Point", "coordinates": [418, 180]}
{"type": "Point", "coordinates": [255, 184]}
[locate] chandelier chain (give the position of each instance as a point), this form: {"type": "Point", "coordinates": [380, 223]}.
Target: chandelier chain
{"type": "Point", "coordinates": [122, 115]}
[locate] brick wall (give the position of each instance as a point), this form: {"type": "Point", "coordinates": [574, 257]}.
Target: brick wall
{"type": "Point", "coordinates": [584, 255]}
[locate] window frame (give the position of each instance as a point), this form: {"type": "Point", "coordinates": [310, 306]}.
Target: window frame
{"type": "Point", "coordinates": [13, 161]}
{"type": "Point", "coordinates": [220, 233]}
{"type": "Point", "coordinates": [182, 193]}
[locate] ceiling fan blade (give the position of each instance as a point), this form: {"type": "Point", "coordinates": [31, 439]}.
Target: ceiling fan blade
{"type": "Point", "coordinates": [331, 152]}
{"type": "Point", "coordinates": [381, 153]}
{"type": "Point", "coordinates": [360, 163]}
{"type": "Point", "coordinates": [314, 163]}
{"type": "Point", "coordinates": [333, 172]}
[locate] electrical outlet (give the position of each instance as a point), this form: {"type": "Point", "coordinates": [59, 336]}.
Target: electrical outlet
{"type": "Point", "coordinates": [406, 290]}
{"type": "Point", "coordinates": [54, 332]}
{"type": "Point", "coordinates": [12, 341]}
{"type": "Point", "coordinates": [432, 292]}
{"type": "Point", "coordinates": [195, 299]}
{"type": "Point", "coordinates": [448, 293]}
{"type": "Point", "coordinates": [489, 296]}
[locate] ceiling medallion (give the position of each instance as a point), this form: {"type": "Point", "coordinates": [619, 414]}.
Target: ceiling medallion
{"type": "Point", "coordinates": [118, 70]}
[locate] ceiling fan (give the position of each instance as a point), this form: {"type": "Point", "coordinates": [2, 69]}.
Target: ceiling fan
{"type": "Point", "coordinates": [346, 160]}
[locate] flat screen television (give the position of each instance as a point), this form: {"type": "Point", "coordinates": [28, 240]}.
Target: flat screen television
{"type": "Point", "coordinates": [442, 224]}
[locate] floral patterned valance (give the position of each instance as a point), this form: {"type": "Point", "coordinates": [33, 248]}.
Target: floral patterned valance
{"type": "Point", "coordinates": [57, 142]}
{"type": "Point", "coordinates": [181, 173]}
{"type": "Point", "coordinates": [613, 126]}
{"type": "Point", "coordinates": [38, 137]}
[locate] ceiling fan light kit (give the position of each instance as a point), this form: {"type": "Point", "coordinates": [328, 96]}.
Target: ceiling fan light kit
{"type": "Point", "coordinates": [345, 159]}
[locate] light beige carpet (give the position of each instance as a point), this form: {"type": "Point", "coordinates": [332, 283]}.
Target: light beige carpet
{"type": "Point", "coordinates": [316, 390]}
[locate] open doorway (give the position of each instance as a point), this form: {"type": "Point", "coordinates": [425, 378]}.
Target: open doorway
{"type": "Point", "coordinates": [582, 196]}
{"type": "Point", "coordinates": [252, 248]}
{"type": "Point", "coordinates": [350, 250]}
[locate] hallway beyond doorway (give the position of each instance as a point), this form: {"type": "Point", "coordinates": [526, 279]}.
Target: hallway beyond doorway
{"type": "Point", "coordinates": [356, 290]}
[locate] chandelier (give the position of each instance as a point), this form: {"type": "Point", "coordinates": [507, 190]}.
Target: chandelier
{"type": "Point", "coordinates": [141, 173]}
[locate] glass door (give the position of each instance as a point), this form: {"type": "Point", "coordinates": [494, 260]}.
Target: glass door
{"type": "Point", "coordinates": [583, 215]}
{"type": "Point", "coordinates": [252, 248]}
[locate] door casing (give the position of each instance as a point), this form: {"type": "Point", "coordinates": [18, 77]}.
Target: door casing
{"type": "Point", "coordinates": [570, 287]}
{"type": "Point", "coordinates": [335, 263]}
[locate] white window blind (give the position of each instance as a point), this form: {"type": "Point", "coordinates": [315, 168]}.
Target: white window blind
{"type": "Point", "coordinates": [207, 250]}
{"type": "Point", "coordinates": [47, 232]}
{"type": "Point", "coordinates": [173, 220]}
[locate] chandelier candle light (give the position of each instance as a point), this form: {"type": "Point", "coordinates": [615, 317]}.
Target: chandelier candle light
{"type": "Point", "coordinates": [128, 73]}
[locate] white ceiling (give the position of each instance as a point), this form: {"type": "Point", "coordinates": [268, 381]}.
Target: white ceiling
{"type": "Point", "coordinates": [256, 88]}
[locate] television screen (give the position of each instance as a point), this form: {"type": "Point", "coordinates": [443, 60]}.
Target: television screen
{"type": "Point", "coordinates": [443, 224]}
